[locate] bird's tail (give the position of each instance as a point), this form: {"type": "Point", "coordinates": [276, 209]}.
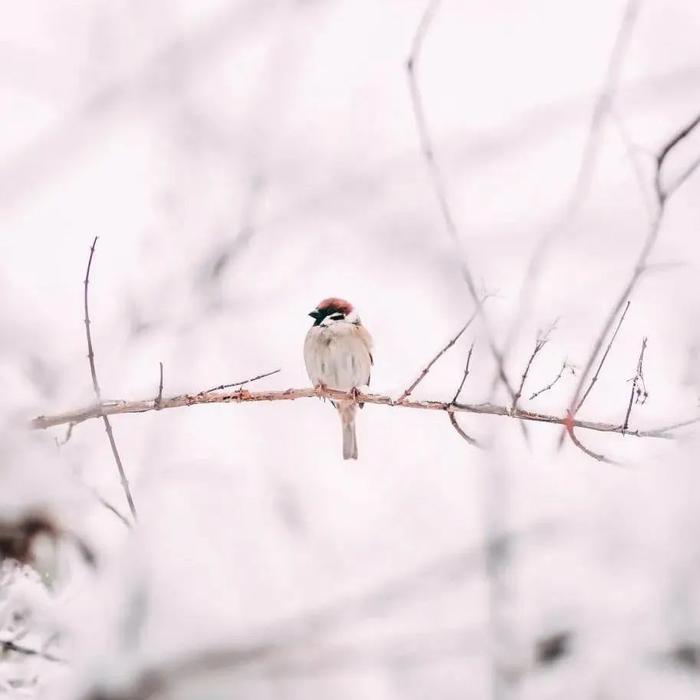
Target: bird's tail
{"type": "Point", "coordinates": [347, 418]}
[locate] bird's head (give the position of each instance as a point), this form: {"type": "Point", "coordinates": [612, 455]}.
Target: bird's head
{"type": "Point", "coordinates": [334, 310]}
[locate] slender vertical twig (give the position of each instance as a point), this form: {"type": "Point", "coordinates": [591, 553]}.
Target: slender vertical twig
{"type": "Point", "coordinates": [465, 375]}
{"type": "Point", "coordinates": [638, 380]}
{"type": "Point", "coordinates": [453, 419]}
{"type": "Point", "coordinates": [594, 379]}
{"type": "Point", "coordinates": [159, 398]}
{"type": "Point", "coordinates": [96, 387]}
{"type": "Point", "coordinates": [541, 341]}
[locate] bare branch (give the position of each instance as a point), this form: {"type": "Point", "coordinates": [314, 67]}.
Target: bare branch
{"type": "Point", "coordinates": [428, 367]}
{"type": "Point", "coordinates": [96, 387]}
{"type": "Point", "coordinates": [603, 358]}
{"type": "Point", "coordinates": [221, 387]}
{"type": "Point", "coordinates": [439, 188]}
{"type": "Point", "coordinates": [638, 379]}
{"type": "Point", "coordinates": [244, 396]}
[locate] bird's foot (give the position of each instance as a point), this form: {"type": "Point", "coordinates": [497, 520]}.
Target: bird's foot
{"type": "Point", "coordinates": [320, 391]}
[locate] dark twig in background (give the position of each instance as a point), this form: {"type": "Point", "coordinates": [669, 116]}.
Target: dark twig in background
{"type": "Point", "coordinates": [428, 367]}
{"type": "Point", "coordinates": [221, 387]}
{"type": "Point", "coordinates": [661, 192]}
{"type": "Point", "coordinates": [564, 365]}
{"type": "Point", "coordinates": [96, 387]}
{"type": "Point", "coordinates": [10, 646]}
{"type": "Point", "coordinates": [638, 393]}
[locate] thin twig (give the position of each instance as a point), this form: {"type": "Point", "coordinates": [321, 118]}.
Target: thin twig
{"type": "Point", "coordinates": [541, 341]}
{"type": "Point", "coordinates": [221, 387]}
{"type": "Point", "coordinates": [159, 398]}
{"type": "Point", "coordinates": [96, 387]}
{"type": "Point", "coordinates": [638, 379]}
{"type": "Point", "coordinates": [244, 396]}
{"type": "Point", "coordinates": [569, 425]}
{"type": "Point", "coordinates": [459, 429]}
{"type": "Point", "coordinates": [465, 375]}
{"type": "Point", "coordinates": [69, 433]}
{"type": "Point", "coordinates": [684, 175]}
{"type": "Point", "coordinates": [564, 365]}
{"type": "Point", "coordinates": [438, 183]}
{"type": "Point", "coordinates": [603, 358]}
{"type": "Point", "coordinates": [428, 367]}
{"type": "Point", "coordinates": [111, 508]}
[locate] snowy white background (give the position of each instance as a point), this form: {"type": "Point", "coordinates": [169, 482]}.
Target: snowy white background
{"type": "Point", "coordinates": [240, 160]}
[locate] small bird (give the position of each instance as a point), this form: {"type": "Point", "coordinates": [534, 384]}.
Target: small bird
{"type": "Point", "coordinates": [338, 355]}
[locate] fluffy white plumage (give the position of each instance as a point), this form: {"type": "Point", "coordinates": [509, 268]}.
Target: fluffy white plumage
{"type": "Point", "coordinates": [337, 353]}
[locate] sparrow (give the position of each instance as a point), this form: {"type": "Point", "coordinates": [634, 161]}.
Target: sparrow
{"type": "Point", "coordinates": [338, 355]}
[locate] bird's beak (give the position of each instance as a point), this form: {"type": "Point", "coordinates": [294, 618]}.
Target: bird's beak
{"type": "Point", "coordinates": [315, 314]}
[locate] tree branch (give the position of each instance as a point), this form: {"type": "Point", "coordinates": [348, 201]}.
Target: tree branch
{"type": "Point", "coordinates": [109, 408]}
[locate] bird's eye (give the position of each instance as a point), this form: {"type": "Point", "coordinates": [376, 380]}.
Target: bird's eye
{"type": "Point", "coordinates": [337, 317]}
